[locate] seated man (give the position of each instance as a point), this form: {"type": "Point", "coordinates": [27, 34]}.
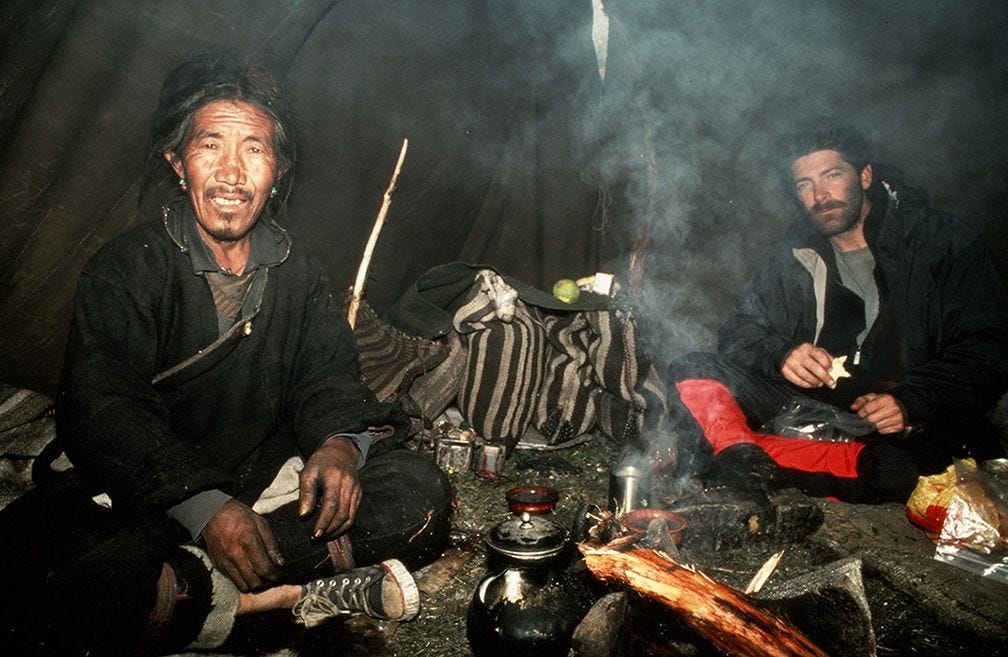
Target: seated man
{"type": "Point", "coordinates": [874, 305]}
{"type": "Point", "coordinates": [227, 458]}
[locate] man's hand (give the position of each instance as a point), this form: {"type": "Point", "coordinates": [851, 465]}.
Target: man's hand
{"type": "Point", "coordinates": [330, 489]}
{"type": "Point", "coordinates": [808, 366]}
{"type": "Point", "coordinates": [240, 543]}
{"type": "Point", "coordinates": [882, 410]}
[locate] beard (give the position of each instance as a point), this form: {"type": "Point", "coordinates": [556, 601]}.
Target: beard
{"type": "Point", "coordinates": [228, 231]}
{"type": "Point", "coordinates": [837, 216]}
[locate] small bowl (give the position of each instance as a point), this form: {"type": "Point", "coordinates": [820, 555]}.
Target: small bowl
{"type": "Point", "coordinates": [637, 521]}
{"type": "Point", "coordinates": [531, 499]}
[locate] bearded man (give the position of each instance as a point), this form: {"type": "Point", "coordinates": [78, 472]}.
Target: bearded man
{"type": "Point", "coordinates": [227, 459]}
{"type": "Point", "coordinates": [877, 318]}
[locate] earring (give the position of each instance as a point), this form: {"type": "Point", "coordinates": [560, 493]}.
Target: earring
{"type": "Point", "coordinates": [273, 192]}
{"type": "Point", "coordinates": [182, 184]}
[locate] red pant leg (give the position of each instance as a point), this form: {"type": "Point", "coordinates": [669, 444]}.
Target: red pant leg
{"type": "Point", "coordinates": [724, 424]}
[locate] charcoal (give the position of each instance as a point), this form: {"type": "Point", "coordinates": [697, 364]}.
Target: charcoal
{"type": "Point", "coordinates": [796, 515]}
{"type": "Point", "coordinates": [723, 517]}
{"type": "Point", "coordinates": [828, 604]}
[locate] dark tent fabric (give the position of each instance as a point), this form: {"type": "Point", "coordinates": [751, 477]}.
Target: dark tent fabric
{"type": "Point", "coordinates": [520, 155]}
{"type": "Point", "coordinates": [484, 132]}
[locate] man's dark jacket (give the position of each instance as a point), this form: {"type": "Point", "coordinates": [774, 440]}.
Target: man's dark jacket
{"type": "Point", "coordinates": [942, 331]}
{"type": "Point", "coordinates": [154, 406]}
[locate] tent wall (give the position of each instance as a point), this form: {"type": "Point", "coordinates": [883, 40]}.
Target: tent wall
{"type": "Point", "coordinates": [520, 156]}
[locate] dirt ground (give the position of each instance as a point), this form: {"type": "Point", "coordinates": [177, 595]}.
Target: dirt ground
{"type": "Point", "coordinates": [580, 474]}
{"type": "Point", "coordinates": [915, 605]}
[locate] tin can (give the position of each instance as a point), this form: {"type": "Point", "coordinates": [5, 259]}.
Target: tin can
{"type": "Point", "coordinates": [489, 460]}
{"type": "Point", "coordinates": [453, 455]}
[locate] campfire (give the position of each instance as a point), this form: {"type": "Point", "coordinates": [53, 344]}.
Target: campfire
{"type": "Point", "coordinates": [634, 546]}
{"type": "Point", "coordinates": [725, 617]}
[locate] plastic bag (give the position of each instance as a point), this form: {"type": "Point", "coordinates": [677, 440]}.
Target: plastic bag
{"type": "Point", "coordinates": [804, 417]}
{"type": "Point", "coordinates": [974, 533]}
{"type": "Point", "coordinates": [928, 504]}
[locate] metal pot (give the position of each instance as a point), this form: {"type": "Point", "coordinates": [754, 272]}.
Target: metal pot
{"type": "Point", "coordinates": [530, 601]}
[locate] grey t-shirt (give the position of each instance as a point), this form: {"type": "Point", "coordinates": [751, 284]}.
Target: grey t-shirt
{"type": "Point", "coordinates": [857, 274]}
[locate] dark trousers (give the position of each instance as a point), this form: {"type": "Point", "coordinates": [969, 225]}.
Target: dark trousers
{"type": "Point", "coordinates": [718, 410]}
{"type": "Point", "coordinates": [78, 578]}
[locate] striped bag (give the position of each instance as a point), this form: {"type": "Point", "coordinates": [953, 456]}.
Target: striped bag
{"type": "Point", "coordinates": [554, 372]}
{"type": "Point", "coordinates": [389, 359]}
{"type": "Point", "coordinates": [518, 365]}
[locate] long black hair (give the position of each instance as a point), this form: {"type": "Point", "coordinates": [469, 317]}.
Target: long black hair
{"type": "Point", "coordinates": [206, 79]}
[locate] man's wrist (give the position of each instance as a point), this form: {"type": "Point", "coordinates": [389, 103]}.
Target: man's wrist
{"type": "Point", "coordinates": [195, 512]}
{"type": "Point", "coordinates": [361, 441]}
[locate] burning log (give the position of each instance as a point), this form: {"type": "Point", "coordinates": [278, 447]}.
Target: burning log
{"type": "Point", "coordinates": [717, 612]}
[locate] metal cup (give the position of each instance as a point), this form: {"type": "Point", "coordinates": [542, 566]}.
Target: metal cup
{"type": "Point", "coordinates": [453, 455]}
{"type": "Point", "coordinates": [629, 488]}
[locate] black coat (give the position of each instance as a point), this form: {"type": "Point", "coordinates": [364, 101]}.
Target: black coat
{"type": "Point", "coordinates": [942, 333]}
{"type": "Point", "coordinates": [154, 407]}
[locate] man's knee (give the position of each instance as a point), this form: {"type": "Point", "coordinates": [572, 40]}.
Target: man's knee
{"type": "Point", "coordinates": [693, 452]}
{"type": "Point", "coordinates": [406, 509]}
{"type": "Point", "coordinates": [405, 471]}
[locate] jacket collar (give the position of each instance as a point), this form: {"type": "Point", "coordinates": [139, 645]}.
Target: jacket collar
{"type": "Point", "coordinates": [271, 244]}
{"type": "Point", "coordinates": [881, 213]}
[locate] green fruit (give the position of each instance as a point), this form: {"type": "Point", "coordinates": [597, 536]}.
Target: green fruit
{"type": "Point", "coordinates": [566, 290]}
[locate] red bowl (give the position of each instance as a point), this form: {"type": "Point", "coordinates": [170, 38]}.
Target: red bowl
{"type": "Point", "coordinates": [638, 520]}
{"type": "Point", "coordinates": [531, 499]}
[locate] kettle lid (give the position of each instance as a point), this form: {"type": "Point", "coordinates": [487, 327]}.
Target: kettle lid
{"type": "Point", "coordinates": [527, 538]}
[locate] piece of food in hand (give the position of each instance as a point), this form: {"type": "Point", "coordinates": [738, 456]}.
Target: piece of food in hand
{"type": "Point", "coordinates": [837, 370]}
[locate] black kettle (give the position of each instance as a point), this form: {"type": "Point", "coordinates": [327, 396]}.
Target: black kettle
{"type": "Point", "coordinates": [533, 595]}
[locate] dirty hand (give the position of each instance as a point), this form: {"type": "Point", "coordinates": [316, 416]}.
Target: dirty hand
{"type": "Point", "coordinates": [240, 543]}
{"type": "Point", "coordinates": [329, 487]}
{"type": "Point", "coordinates": [808, 366]}
{"type": "Point", "coordinates": [882, 410]}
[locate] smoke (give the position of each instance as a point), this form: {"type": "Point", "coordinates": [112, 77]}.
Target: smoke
{"type": "Point", "coordinates": [503, 102]}
{"type": "Point", "coordinates": [677, 141]}
{"type": "Point", "coordinates": [696, 94]}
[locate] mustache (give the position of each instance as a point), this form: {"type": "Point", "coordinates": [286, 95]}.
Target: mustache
{"type": "Point", "coordinates": [225, 190]}
{"type": "Point", "coordinates": [828, 205]}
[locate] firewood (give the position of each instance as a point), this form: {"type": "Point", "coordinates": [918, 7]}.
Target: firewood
{"type": "Point", "coordinates": [722, 615]}
{"type": "Point", "coordinates": [433, 577]}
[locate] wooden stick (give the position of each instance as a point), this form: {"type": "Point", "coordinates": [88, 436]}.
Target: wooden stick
{"type": "Point", "coordinates": [763, 574]}
{"type": "Point", "coordinates": [717, 612]}
{"type": "Point", "coordinates": [358, 287]}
